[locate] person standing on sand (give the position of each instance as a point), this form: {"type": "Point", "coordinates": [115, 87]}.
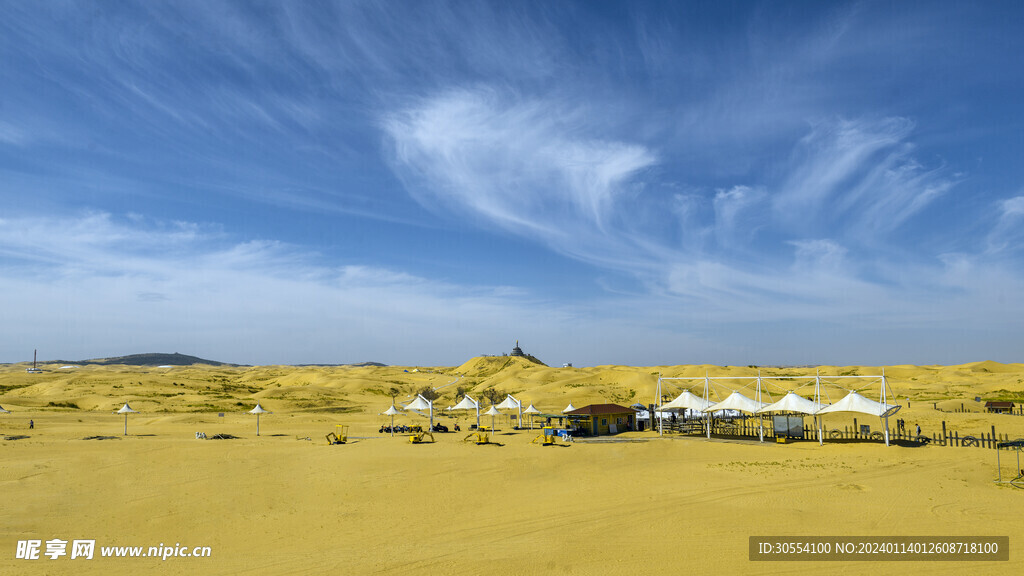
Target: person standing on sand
{"type": "Point", "coordinates": [31, 424]}
{"type": "Point", "coordinates": [918, 429]}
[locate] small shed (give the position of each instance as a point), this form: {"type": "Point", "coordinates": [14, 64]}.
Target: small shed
{"type": "Point", "coordinates": [999, 407]}
{"type": "Point", "coordinates": [600, 419]}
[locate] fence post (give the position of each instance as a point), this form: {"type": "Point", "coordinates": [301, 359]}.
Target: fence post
{"type": "Point", "coordinates": [943, 432]}
{"type": "Point", "coordinates": [993, 444]}
{"type": "Point", "coordinates": [956, 438]}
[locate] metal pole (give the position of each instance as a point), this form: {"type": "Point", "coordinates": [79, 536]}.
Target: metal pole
{"type": "Point", "coordinates": [818, 421]}
{"type": "Point", "coordinates": [257, 423]}
{"type": "Point", "coordinates": [760, 419]}
{"type": "Point", "coordinates": [657, 403]}
{"type": "Point", "coordinates": [125, 423]}
{"type": "Point", "coordinates": [885, 423]}
{"type": "Point", "coordinates": [708, 419]}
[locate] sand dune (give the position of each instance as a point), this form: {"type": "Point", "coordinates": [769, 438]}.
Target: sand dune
{"type": "Point", "coordinates": [282, 504]}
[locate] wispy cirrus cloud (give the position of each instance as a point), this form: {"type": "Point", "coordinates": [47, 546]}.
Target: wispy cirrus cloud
{"type": "Point", "coordinates": [529, 166]}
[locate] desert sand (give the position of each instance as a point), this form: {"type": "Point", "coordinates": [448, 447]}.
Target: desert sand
{"type": "Point", "coordinates": [285, 502]}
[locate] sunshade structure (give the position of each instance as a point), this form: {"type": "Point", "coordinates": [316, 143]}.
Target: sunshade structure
{"type": "Point", "coordinates": [531, 411]}
{"type": "Point", "coordinates": [2, 411]}
{"type": "Point", "coordinates": [126, 410]}
{"type": "Point", "coordinates": [510, 403]}
{"type": "Point", "coordinates": [257, 411]}
{"type": "Point", "coordinates": [492, 413]}
{"type": "Point", "coordinates": [391, 411]}
{"type": "Point", "coordinates": [794, 403]}
{"type": "Point", "coordinates": [854, 402]}
{"type": "Point", "coordinates": [738, 402]}
{"type": "Point", "coordinates": [468, 403]}
{"type": "Point", "coordinates": [421, 403]}
{"type": "Point", "coordinates": [569, 408]}
{"type": "Point", "coordinates": [685, 401]}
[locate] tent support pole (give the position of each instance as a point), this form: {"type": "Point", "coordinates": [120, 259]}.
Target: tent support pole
{"type": "Point", "coordinates": [657, 404]}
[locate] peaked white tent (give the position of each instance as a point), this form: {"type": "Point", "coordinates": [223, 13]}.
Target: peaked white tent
{"type": "Point", "coordinates": [468, 403]}
{"type": "Point", "coordinates": [509, 403]}
{"type": "Point", "coordinates": [2, 411]}
{"type": "Point", "coordinates": [854, 402]}
{"type": "Point", "coordinates": [738, 402]}
{"type": "Point", "coordinates": [531, 411]}
{"type": "Point", "coordinates": [421, 403]}
{"type": "Point", "coordinates": [792, 402]}
{"type": "Point", "coordinates": [569, 408]}
{"type": "Point", "coordinates": [687, 401]}
{"type": "Point", "coordinates": [391, 411]}
{"type": "Point", "coordinates": [126, 410]}
{"type": "Point", "coordinates": [257, 411]}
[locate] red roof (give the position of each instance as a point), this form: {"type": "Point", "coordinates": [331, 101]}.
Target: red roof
{"type": "Point", "coordinates": [998, 404]}
{"type": "Point", "coordinates": [600, 410]}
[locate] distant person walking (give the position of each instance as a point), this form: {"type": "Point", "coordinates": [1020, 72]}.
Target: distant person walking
{"type": "Point", "coordinates": [918, 429]}
{"type": "Point", "coordinates": [31, 424]}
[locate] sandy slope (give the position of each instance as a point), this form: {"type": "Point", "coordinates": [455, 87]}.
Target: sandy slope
{"type": "Point", "coordinates": [280, 504]}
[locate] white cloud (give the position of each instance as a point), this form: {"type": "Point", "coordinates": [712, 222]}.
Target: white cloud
{"type": "Point", "coordinates": [531, 167]}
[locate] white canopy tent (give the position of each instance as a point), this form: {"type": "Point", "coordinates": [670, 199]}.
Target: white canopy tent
{"type": "Point", "coordinates": [509, 403]}
{"type": "Point", "coordinates": [421, 403]}
{"type": "Point", "coordinates": [468, 403]}
{"type": "Point", "coordinates": [391, 411]}
{"type": "Point", "coordinates": [685, 401]}
{"type": "Point", "coordinates": [738, 402]}
{"type": "Point", "coordinates": [2, 411]}
{"type": "Point", "coordinates": [568, 408]}
{"type": "Point", "coordinates": [854, 402]}
{"type": "Point", "coordinates": [257, 411]}
{"type": "Point", "coordinates": [794, 403]}
{"type": "Point", "coordinates": [126, 410]}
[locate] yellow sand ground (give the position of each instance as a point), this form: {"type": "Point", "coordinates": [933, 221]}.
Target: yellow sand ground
{"type": "Point", "coordinates": [282, 504]}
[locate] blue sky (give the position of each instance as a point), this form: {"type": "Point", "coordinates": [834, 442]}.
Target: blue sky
{"type": "Point", "coordinates": [422, 182]}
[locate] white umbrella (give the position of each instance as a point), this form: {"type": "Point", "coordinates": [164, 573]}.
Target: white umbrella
{"type": "Point", "coordinates": [531, 411]}
{"type": "Point", "coordinates": [468, 403]}
{"type": "Point", "coordinates": [421, 403]}
{"type": "Point", "coordinates": [257, 411]}
{"type": "Point", "coordinates": [509, 403]}
{"type": "Point", "coordinates": [492, 412]}
{"type": "Point", "coordinates": [126, 410]}
{"type": "Point", "coordinates": [569, 408]}
{"type": "Point", "coordinates": [391, 412]}
{"type": "Point", "coordinates": [2, 411]}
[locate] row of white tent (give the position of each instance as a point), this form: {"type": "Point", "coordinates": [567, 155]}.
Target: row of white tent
{"type": "Point", "coordinates": [791, 403]}
{"type": "Point", "coordinates": [468, 403]}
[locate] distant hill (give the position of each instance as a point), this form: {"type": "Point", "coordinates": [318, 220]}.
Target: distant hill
{"type": "Point", "coordinates": [152, 359]}
{"type": "Point", "coordinates": [359, 365]}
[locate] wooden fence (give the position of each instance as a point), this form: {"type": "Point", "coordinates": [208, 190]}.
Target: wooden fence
{"type": "Point", "coordinates": [750, 428]}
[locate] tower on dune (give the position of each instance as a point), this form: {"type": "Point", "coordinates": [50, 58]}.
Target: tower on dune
{"type": "Point", "coordinates": [517, 351]}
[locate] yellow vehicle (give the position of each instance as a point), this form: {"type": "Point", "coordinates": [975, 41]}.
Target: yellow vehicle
{"type": "Point", "coordinates": [339, 436]}
{"type": "Point", "coordinates": [479, 437]}
{"type": "Point", "coordinates": [549, 437]}
{"type": "Point", "coordinates": [419, 435]}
